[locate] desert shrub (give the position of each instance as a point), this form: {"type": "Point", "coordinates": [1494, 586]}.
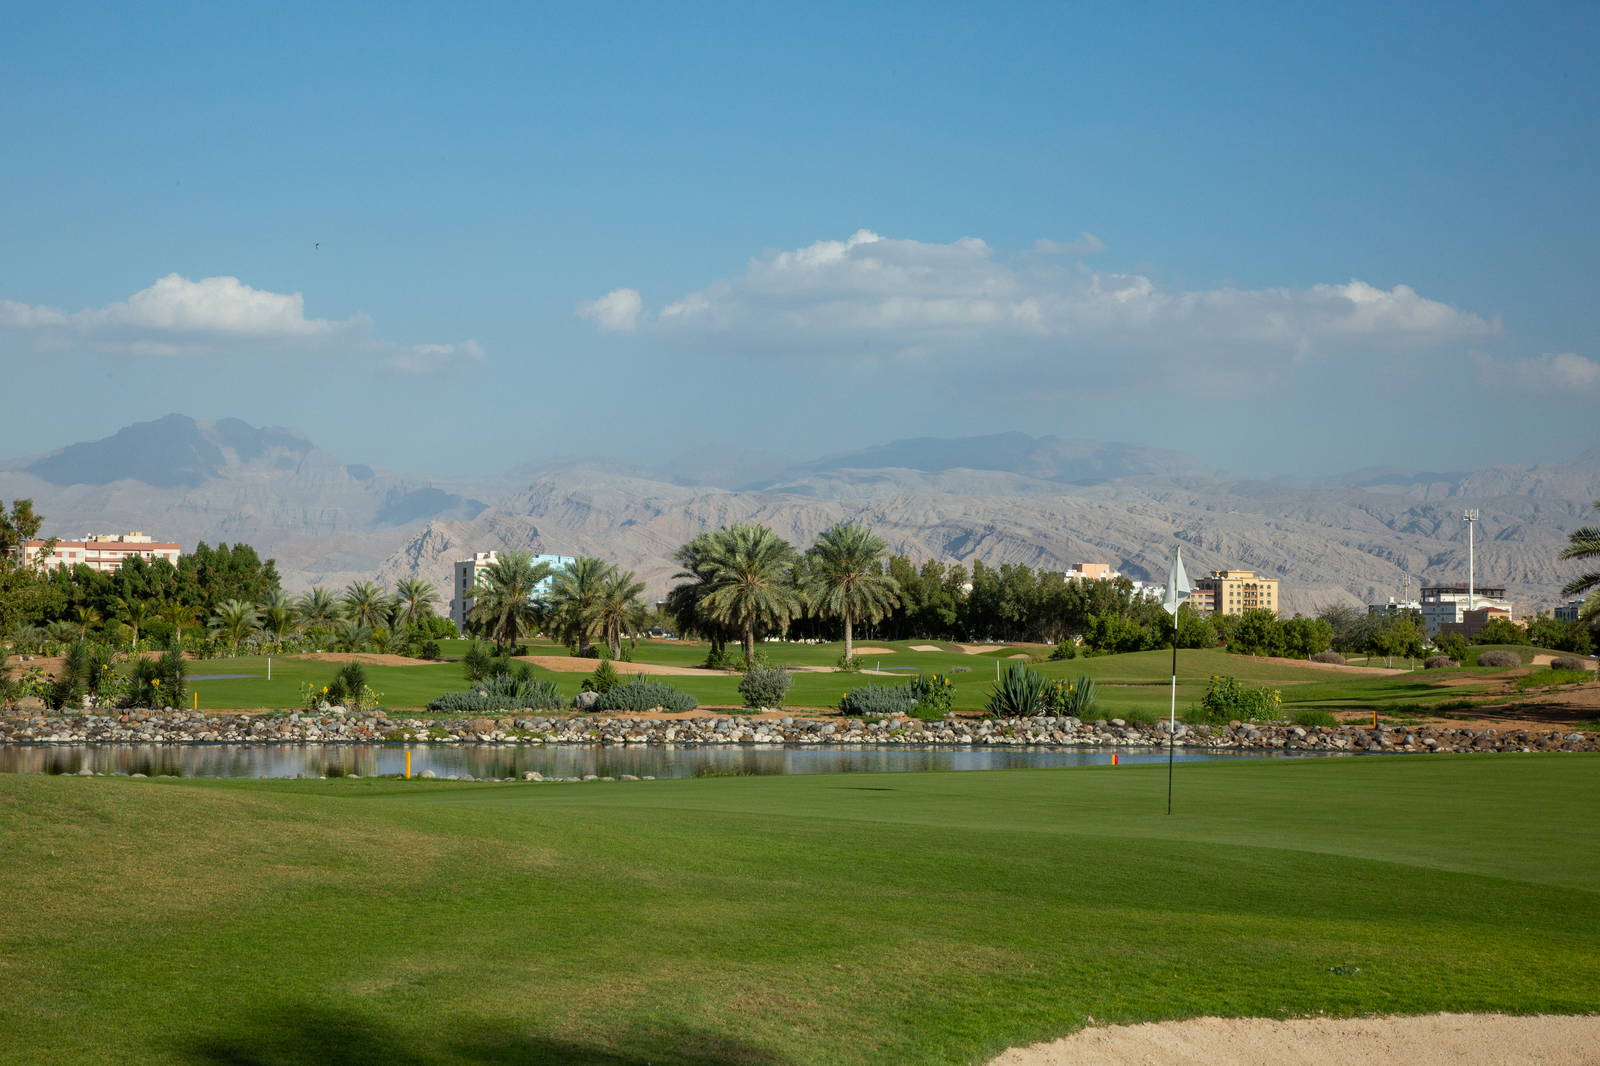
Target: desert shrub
{"type": "Point", "coordinates": [1439, 662]}
{"type": "Point", "coordinates": [1568, 662]}
{"type": "Point", "coordinates": [879, 701]}
{"type": "Point", "coordinates": [430, 650]}
{"type": "Point", "coordinates": [1066, 648]}
{"type": "Point", "coordinates": [1499, 660]}
{"type": "Point", "coordinates": [723, 658]}
{"type": "Point", "coordinates": [1225, 699]}
{"type": "Point", "coordinates": [478, 662]}
{"type": "Point", "coordinates": [642, 695]}
{"type": "Point", "coordinates": [764, 686]}
{"type": "Point", "coordinates": [1332, 658]}
{"type": "Point", "coordinates": [1074, 698]}
{"type": "Point", "coordinates": [1312, 717]}
{"type": "Point", "coordinates": [1020, 693]}
{"type": "Point", "coordinates": [935, 695]}
{"type": "Point", "coordinates": [604, 678]}
{"type": "Point", "coordinates": [850, 664]}
{"type": "Point", "coordinates": [503, 693]}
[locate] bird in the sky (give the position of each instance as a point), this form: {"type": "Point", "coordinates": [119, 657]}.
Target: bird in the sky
{"type": "Point", "coordinates": [317, 247]}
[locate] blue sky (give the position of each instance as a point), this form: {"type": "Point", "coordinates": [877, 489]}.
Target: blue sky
{"type": "Point", "coordinates": [1279, 237]}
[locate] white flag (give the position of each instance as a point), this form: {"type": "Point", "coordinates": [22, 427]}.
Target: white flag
{"type": "Point", "coordinates": [1178, 586]}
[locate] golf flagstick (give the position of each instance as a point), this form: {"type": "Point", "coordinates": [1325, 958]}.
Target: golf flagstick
{"type": "Point", "coordinates": [1178, 589]}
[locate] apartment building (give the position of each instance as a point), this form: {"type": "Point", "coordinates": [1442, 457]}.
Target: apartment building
{"type": "Point", "coordinates": [468, 572]}
{"type": "Point", "coordinates": [1235, 592]}
{"type": "Point", "coordinates": [104, 552]}
{"type": "Point", "coordinates": [1448, 604]}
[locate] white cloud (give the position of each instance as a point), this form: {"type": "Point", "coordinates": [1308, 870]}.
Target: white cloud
{"type": "Point", "coordinates": [1550, 372]}
{"type": "Point", "coordinates": [1086, 244]}
{"type": "Point", "coordinates": [616, 312]}
{"type": "Point", "coordinates": [176, 315]}
{"type": "Point", "coordinates": [873, 295]}
{"type": "Point", "coordinates": [434, 358]}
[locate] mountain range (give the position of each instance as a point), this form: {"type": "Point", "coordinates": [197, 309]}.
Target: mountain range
{"type": "Point", "coordinates": [1044, 501]}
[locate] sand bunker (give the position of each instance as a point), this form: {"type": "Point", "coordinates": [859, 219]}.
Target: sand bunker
{"type": "Point", "coordinates": [366, 657]}
{"type": "Point", "coordinates": [1432, 1040]}
{"type": "Point", "coordinates": [978, 649]}
{"type": "Point", "coordinates": [925, 647]}
{"type": "Point", "coordinates": [1333, 667]}
{"type": "Point", "coordinates": [567, 664]}
{"type": "Point", "coordinates": [874, 651]}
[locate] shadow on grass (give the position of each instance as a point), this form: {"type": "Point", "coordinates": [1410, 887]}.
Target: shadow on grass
{"type": "Point", "coordinates": [322, 1036]}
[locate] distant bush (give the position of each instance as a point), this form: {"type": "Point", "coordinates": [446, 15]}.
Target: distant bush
{"type": "Point", "coordinates": [764, 686]}
{"type": "Point", "coordinates": [604, 678]}
{"type": "Point", "coordinates": [1332, 658]}
{"type": "Point", "coordinates": [1568, 662]}
{"type": "Point", "coordinates": [1066, 648]}
{"type": "Point", "coordinates": [1309, 718]}
{"type": "Point", "coordinates": [478, 661]}
{"type": "Point", "coordinates": [1020, 693]}
{"type": "Point", "coordinates": [1225, 699]}
{"type": "Point", "coordinates": [879, 701]}
{"type": "Point", "coordinates": [642, 695]}
{"type": "Point", "coordinates": [935, 695]}
{"type": "Point", "coordinates": [1439, 662]}
{"type": "Point", "coordinates": [430, 650]}
{"type": "Point", "coordinates": [502, 693]}
{"type": "Point", "coordinates": [1500, 631]}
{"type": "Point", "coordinates": [1499, 660]}
{"type": "Point", "coordinates": [849, 664]}
{"type": "Point", "coordinates": [1139, 716]}
{"type": "Point", "coordinates": [723, 658]}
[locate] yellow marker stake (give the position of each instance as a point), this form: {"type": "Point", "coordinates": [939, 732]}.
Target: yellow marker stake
{"type": "Point", "coordinates": [408, 766]}
{"type": "Point", "coordinates": [197, 700]}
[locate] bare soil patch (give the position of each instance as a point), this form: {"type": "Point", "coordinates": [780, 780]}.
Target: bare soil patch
{"type": "Point", "coordinates": [367, 658]}
{"type": "Point", "coordinates": [978, 649]}
{"type": "Point", "coordinates": [1431, 1040]}
{"type": "Point", "coordinates": [925, 647]}
{"type": "Point", "coordinates": [1279, 660]}
{"type": "Point", "coordinates": [874, 651]}
{"type": "Point", "coordinates": [567, 664]}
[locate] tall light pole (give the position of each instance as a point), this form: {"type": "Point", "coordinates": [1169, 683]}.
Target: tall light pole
{"type": "Point", "coordinates": [1470, 517]}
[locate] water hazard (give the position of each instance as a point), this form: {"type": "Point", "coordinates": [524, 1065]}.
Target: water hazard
{"type": "Point", "coordinates": [555, 760]}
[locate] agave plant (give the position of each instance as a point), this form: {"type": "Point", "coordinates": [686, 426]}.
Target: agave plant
{"type": "Point", "coordinates": [1020, 693]}
{"type": "Point", "coordinates": [1073, 698]}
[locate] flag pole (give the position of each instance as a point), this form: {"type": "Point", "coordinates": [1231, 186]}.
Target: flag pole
{"type": "Point", "coordinates": [1172, 718]}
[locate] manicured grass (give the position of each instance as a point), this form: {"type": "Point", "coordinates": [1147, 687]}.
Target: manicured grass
{"type": "Point", "coordinates": [898, 918]}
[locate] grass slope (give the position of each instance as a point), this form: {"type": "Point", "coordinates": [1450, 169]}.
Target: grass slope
{"type": "Point", "coordinates": [906, 918]}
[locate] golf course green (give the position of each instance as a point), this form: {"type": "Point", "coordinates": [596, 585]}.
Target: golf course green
{"type": "Point", "coordinates": [896, 918]}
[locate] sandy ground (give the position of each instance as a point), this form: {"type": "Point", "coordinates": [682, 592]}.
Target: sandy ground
{"type": "Point", "coordinates": [568, 664]}
{"type": "Point", "coordinates": [368, 658]}
{"type": "Point", "coordinates": [1544, 660]}
{"type": "Point", "coordinates": [1432, 1040]}
{"type": "Point", "coordinates": [925, 647]}
{"type": "Point", "coordinates": [1332, 667]}
{"type": "Point", "coordinates": [874, 651]}
{"type": "Point", "coordinates": [978, 649]}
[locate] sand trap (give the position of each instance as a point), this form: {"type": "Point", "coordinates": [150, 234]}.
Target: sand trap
{"type": "Point", "coordinates": [1432, 1040]}
{"type": "Point", "coordinates": [874, 651]}
{"type": "Point", "coordinates": [1334, 667]}
{"type": "Point", "coordinates": [369, 658]}
{"type": "Point", "coordinates": [978, 649]}
{"type": "Point", "coordinates": [925, 647]}
{"type": "Point", "coordinates": [1544, 660]}
{"type": "Point", "coordinates": [567, 664]}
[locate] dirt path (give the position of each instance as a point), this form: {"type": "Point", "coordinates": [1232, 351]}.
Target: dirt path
{"type": "Point", "coordinates": [1432, 1040]}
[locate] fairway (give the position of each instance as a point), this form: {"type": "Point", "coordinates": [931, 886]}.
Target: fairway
{"type": "Point", "coordinates": [905, 918]}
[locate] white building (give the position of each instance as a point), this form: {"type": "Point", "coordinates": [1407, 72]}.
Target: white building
{"type": "Point", "coordinates": [1449, 604]}
{"type": "Point", "coordinates": [1395, 606]}
{"type": "Point", "coordinates": [99, 551]}
{"type": "Point", "coordinates": [468, 572]}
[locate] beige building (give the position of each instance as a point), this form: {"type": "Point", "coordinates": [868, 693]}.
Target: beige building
{"type": "Point", "coordinates": [99, 551]}
{"type": "Point", "coordinates": [1238, 591]}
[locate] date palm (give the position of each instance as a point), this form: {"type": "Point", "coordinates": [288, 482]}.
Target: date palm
{"type": "Point", "coordinates": [576, 592]}
{"type": "Point", "coordinates": [136, 613]}
{"type": "Point", "coordinates": [751, 582]}
{"type": "Point", "coordinates": [1583, 544]}
{"type": "Point", "coordinates": [179, 616]}
{"type": "Point", "coordinates": [84, 619]}
{"type": "Point", "coordinates": [845, 580]}
{"type": "Point", "coordinates": [415, 600]}
{"type": "Point", "coordinates": [505, 605]}
{"type": "Point", "coordinates": [278, 618]}
{"type": "Point", "coordinates": [350, 635]}
{"type": "Point", "coordinates": [232, 621]}
{"type": "Point", "coordinates": [618, 609]}
{"type": "Point", "coordinates": [365, 603]}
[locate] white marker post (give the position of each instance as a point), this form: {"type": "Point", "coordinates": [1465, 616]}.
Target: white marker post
{"type": "Point", "coordinates": [1178, 589]}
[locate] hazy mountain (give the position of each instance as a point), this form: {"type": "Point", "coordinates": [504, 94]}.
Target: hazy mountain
{"type": "Point", "coordinates": [1045, 501]}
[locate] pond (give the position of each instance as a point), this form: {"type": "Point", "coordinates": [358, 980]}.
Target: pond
{"type": "Point", "coordinates": [558, 760]}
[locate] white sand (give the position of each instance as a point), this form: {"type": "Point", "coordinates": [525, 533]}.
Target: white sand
{"type": "Point", "coordinates": [1432, 1040]}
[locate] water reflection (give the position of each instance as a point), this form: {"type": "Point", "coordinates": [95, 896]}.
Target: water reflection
{"type": "Point", "coordinates": [552, 760]}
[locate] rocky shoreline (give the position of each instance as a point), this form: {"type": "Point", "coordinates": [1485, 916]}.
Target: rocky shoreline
{"type": "Point", "coordinates": [186, 727]}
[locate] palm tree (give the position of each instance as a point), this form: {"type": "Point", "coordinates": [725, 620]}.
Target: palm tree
{"type": "Point", "coordinates": [278, 617]}
{"type": "Point", "coordinates": [576, 593]}
{"type": "Point", "coordinates": [617, 609]}
{"type": "Point", "coordinates": [365, 603]}
{"type": "Point", "coordinates": [415, 600]}
{"type": "Point", "coordinates": [846, 581]}
{"type": "Point", "coordinates": [179, 615]}
{"type": "Point", "coordinates": [686, 602]}
{"type": "Point", "coordinates": [85, 619]}
{"type": "Point", "coordinates": [135, 613]}
{"type": "Point", "coordinates": [317, 609]}
{"type": "Point", "coordinates": [350, 635]}
{"type": "Point", "coordinates": [233, 620]}
{"type": "Point", "coordinates": [1583, 544]}
{"type": "Point", "coordinates": [505, 605]}
{"type": "Point", "coordinates": [751, 582]}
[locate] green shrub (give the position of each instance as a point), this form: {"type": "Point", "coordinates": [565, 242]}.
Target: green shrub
{"type": "Point", "coordinates": [478, 662]}
{"type": "Point", "coordinates": [849, 664]}
{"type": "Point", "coordinates": [430, 650]}
{"type": "Point", "coordinates": [502, 693]}
{"type": "Point", "coordinates": [1066, 648]}
{"type": "Point", "coordinates": [879, 701]}
{"type": "Point", "coordinates": [1020, 693]}
{"type": "Point", "coordinates": [1568, 662]}
{"type": "Point", "coordinates": [1312, 717]}
{"type": "Point", "coordinates": [604, 678]}
{"type": "Point", "coordinates": [764, 686]}
{"type": "Point", "coordinates": [1499, 660]}
{"type": "Point", "coordinates": [642, 695]}
{"type": "Point", "coordinates": [723, 658]}
{"type": "Point", "coordinates": [1439, 662]}
{"type": "Point", "coordinates": [1331, 658]}
{"type": "Point", "coordinates": [1225, 700]}
{"type": "Point", "coordinates": [1141, 716]}
{"type": "Point", "coordinates": [935, 695]}
{"type": "Point", "coordinates": [1074, 698]}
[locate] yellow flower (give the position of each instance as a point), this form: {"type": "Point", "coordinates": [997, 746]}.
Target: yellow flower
{"type": "Point", "coordinates": [155, 681]}
{"type": "Point", "coordinates": [324, 688]}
